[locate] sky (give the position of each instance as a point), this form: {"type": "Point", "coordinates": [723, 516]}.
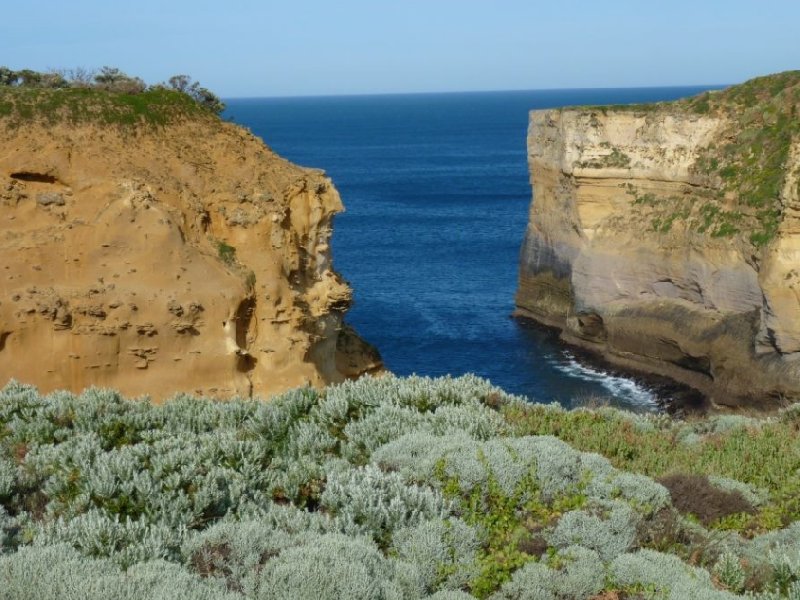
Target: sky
{"type": "Point", "coordinates": [320, 47]}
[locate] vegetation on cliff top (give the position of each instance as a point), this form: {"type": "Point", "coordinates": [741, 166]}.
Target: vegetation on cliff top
{"type": "Point", "coordinates": [108, 96]}
{"type": "Point", "coordinates": [751, 160]}
{"type": "Point", "coordinates": [390, 488]}
{"type": "Point", "coordinates": [745, 167]}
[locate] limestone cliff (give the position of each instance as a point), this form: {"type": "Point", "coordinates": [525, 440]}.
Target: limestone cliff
{"type": "Point", "coordinates": [667, 236]}
{"type": "Point", "coordinates": [151, 247]}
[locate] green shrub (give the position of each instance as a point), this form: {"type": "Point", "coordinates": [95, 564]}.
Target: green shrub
{"type": "Point", "coordinates": [367, 501]}
{"type": "Point", "coordinates": [335, 566]}
{"type": "Point", "coordinates": [60, 573]}
{"type": "Point", "coordinates": [386, 488]}
{"type": "Point", "coordinates": [574, 573]}
{"type": "Point", "coordinates": [608, 528]}
{"type": "Point", "coordinates": [226, 252]}
{"type": "Point", "coordinates": [444, 552]}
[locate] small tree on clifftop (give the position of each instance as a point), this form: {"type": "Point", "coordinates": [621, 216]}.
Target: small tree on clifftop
{"type": "Point", "coordinates": [201, 95]}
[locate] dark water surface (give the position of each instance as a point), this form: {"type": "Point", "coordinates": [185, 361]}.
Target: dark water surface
{"type": "Point", "coordinates": [436, 191]}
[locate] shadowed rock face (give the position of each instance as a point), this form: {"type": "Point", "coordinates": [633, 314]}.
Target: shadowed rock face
{"type": "Point", "coordinates": [667, 237]}
{"type": "Point", "coordinates": [186, 257]}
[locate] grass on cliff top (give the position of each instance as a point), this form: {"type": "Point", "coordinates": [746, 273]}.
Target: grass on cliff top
{"type": "Point", "coordinates": [746, 166]}
{"type": "Point", "coordinates": [155, 106]}
{"type": "Point", "coordinates": [751, 161]}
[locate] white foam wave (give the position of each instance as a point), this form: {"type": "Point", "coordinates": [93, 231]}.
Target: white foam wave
{"type": "Point", "coordinates": [623, 389]}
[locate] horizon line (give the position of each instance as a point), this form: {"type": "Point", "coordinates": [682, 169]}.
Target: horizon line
{"type": "Point", "coordinates": [441, 93]}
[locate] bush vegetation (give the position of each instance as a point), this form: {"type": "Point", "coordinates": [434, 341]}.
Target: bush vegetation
{"type": "Point", "coordinates": [390, 488]}
{"type": "Point", "coordinates": [107, 96]}
{"type": "Point", "coordinates": [751, 163]}
{"type": "Point", "coordinates": [741, 173]}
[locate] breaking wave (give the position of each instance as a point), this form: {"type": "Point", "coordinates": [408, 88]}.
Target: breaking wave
{"type": "Point", "coordinates": [625, 389]}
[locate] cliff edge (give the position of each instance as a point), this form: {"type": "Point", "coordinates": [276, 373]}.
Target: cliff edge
{"type": "Point", "coordinates": [666, 237]}
{"type": "Point", "coordinates": [148, 246]}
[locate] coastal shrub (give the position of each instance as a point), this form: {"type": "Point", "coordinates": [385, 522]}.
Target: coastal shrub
{"type": "Point", "coordinates": [96, 534]}
{"type": "Point", "coordinates": [335, 566]}
{"type": "Point", "coordinates": [574, 573]}
{"type": "Point", "coordinates": [557, 465]}
{"type": "Point", "coordinates": [113, 80]}
{"type": "Point", "coordinates": [792, 593]}
{"type": "Point", "coordinates": [696, 496]}
{"type": "Point", "coordinates": [8, 477]}
{"type": "Point", "coordinates": [308, 440]}
{"type": "Point", "coordinates": [728, 570]}
{"type": "Point", "coordinates": [61, 573]}
{"type": "Point", "coordinates": [474, 466]}
{"type": "Point", "coordinates": [107, 79]}
{"type": "Point", "coordinates": [784, 568]}
{"type": "Point", "coordinates": [423, 457]}
{"type": "Point", "coordinates": [605, 482]}
{"type": "Point", "coordinates": [415, 455]}
{"type": "Point", "coordinates": [646, 495]}
{"type": "Point", "coordinates": [766, 457]}
{"type": "Point", "coordinates": [725, 424]}
{"type": "Point", "coordinates": [274, 418]}
{"type": "Point", "coordinates": [476, 421]}
{"type": "Point", "coordinates": [608, 528]}
{"type": "Point", "coordinates": [756, 497]}
{"type": "Point", "coordinates": [235, 552]}
{"type": "Point", "coordinates": [424, 394]}
{"type": "Point", "coordinates": [7, 526]}
{"type": "Point", "coordinates": [663, 576]}
{"type": "Point", "coordinates": [427, 487]}
{"type": "Point", "coordinates": [444, 552]}
{"type": "Point", "coordinates": [282, 517]}
{"type": "Point", "coordinates": [367, 501]}
{"type": "Point", "coordinates": [381, 426]}
{"type": "Point", "coordinates": [203, 96]}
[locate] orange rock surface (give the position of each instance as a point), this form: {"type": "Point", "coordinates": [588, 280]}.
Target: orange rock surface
{"type": "Point", "coordinates": [183, 257]}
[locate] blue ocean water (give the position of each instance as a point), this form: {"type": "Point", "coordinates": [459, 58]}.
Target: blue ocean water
{"type": "Point", "coordinates": [436, 191]}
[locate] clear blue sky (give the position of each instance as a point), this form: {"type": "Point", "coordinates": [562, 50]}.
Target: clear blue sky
{"type": "Point", "coordinates": [308, 47]}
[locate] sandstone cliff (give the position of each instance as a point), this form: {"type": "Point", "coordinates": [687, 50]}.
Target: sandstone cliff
{"type": "Point", "coordinates": [148, 246]}
{"type": "Point", "coordinates": [667, 236]}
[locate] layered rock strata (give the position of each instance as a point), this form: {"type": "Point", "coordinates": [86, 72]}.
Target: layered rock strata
{"type": "Point", "coordinates": [182, 256]}
{"type": "Point", "coordinates": [666, 237]}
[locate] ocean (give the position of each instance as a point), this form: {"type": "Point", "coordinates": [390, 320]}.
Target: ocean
{"type": "Point", "coordinates": [436, 191]}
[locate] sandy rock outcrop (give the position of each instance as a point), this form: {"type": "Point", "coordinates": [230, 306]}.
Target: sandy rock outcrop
{"type": "Point", "coordinates": [666, 237]}
{"type": "Point", "coordinates": [184, 257]}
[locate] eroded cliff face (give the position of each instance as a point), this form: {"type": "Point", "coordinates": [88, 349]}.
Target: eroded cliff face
{"type": "Point", "coordinates": [183, 257]}
{"type": "Point", "coordinates": [667, 237]}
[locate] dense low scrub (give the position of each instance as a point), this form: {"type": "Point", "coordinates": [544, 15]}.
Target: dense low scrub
{"type": "Point", "coordinates": [390, 488]}
{"type": "Point", "coordinates": [105, 97]}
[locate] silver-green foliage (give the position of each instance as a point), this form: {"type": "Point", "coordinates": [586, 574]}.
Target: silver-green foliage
{"type": "Point", "coordinates": [664, 576]}
{"type": "Point", "coordinates": [608, 528]}
{"type": "Point", "coordinates": [8, 472]}
{"type": "Point", "coordinates": [367, 501]}
{"type": "Point", "coordinates": [338, 493]}
{"type": "Point", "coordinates": [443, 552]}
{"type": "Point", "coordinates": [728, 569]}
{"type": "Point", "coordinates": [418, 456]}
{"type": "Point", "coordinates": [60, 573]}
{"type": "Point", "coordinates": [577, 573]}
{"type": "Point", "coordinates": [235, 552]}
{"type": "Point", "coordinates": [128, 542]}
{"type": "Point", "coordinates": [335, 566]}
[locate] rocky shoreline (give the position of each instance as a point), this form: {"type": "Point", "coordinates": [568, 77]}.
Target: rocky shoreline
{"type": "Point", "coordinates": [672, 397]}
